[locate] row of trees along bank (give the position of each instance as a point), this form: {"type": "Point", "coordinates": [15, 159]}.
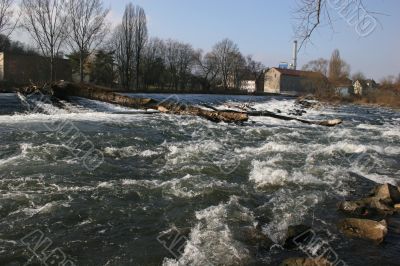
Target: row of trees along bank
{"type": "Point", "coordinates": [123, 56]}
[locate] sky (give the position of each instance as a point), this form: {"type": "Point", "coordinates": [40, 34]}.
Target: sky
{"type": "Point", "coordinates": [264, 29]}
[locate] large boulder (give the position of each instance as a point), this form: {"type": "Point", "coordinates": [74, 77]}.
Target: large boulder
{"type": "Point", "coordinates": [387, 193]}
{"type": "Point", "coordinates": [366, 207]}
{"type": "Point", "coordinates": [382, 200]}
{"type": "Point", "coordinates": [365, 229]}
{"type": "Point", "coordinates": [306, 262]}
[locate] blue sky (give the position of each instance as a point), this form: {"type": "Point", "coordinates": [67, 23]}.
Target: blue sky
{"type": "Point", "coordinates": [264, 28]}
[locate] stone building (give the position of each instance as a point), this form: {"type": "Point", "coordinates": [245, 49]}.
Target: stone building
{"type": "Point", "coordinates": [22, 69]}
{"type": "Point", "coordinates": [293, 82]}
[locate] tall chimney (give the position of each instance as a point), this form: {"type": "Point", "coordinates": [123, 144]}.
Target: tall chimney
{"type": "Point", "coordinates": [294, 64]}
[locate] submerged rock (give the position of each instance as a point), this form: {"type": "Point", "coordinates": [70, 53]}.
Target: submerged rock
{"type": "Point", "coordinates": [296, 235]}
{"type": "Point", "coordinates": [253, 236]}
{"type": "Point", "coordinates": [363, 228]}
{"type": "Point", "coordinates": [306, 262]}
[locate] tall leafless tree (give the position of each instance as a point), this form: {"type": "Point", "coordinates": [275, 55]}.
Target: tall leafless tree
{"type": "Point", "coordinates": [130, 39]}
{"type": "Point", "coordinates": [227, 54]}
{"type": "Point", "coordinates": [123, 44]}
{"type": "Point", "coordinates": [87, 19]}
{"type": "Point", "coordinates": [140, 38]}
{"type": "Point", "coordinates": [7, 19]}
{"type": "Point", "coordinates": [318, 65]}
{"type": "Point", "coordinates": [207, 69]}
{"type": "Point", "coordinates": [154, 63]}
{"type": "Point", "coordinates": [338, 69]}
{"type": "Point", "coordinates": [180, 58]}
{"type": "Point", "coordinates": [46, 22]}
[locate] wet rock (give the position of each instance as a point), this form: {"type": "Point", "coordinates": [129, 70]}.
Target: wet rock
{"type": "Point", "coordinates": [366, 207]}
{"type": "Point", "coordinates": [381, 201]}
{"type": "Point", "coordinates": [253, 236]}
{"type": "Point", "coordinates": [306, 262]}
{"type": "Point", "coordinates": [387, 192]}
{"type": "Point", "coordinates": [296, 235]}
{"type": "Point", "coordinates": [297, 112]}
{"type": "Point", "coordinates": [363, 228]}
{"type": "Point", "coordinates": [308, 102]}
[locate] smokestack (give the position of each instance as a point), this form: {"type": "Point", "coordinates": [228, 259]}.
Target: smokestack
{"type": "Point", "coordinates": [294, 64]}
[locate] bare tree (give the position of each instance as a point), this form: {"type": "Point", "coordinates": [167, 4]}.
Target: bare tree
{"type": "Point", "coordinates": [318, 65]}
{"type": "Point", "coordinates": [180, 58]}
{"type": "Point", "coordinates": [310, 14]}
{"type": "Point", "coordinates": [358, 76]}
{"type": "Point", "coordinates": [123, 45]}
{"type": "Point", "coordinates": [46, 22]}
{"type": "Point", "coordinates": [129, 41]}
{"type": "Point", "coordinates": [7, 20]}
{"type": "Point", "coordinates": [206, 68]}
{"type": "Point", "coordinates": [228, 56]}
{"type": "Point", "coordinates": [87, 19]}
{"type": "Point", "coordinates": [238, 70]}
{"type": "Point", "coordinates": [255, 68]}
{"type": "Point", "coordinates": [338, 68]}
{"type": "Point", "coordinates": [154, 63]}
{"type": "Point", "coordinates": [140, 38]}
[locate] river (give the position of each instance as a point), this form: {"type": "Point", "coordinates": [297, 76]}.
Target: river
{"type": "Point", "coordinates": [129, 184]}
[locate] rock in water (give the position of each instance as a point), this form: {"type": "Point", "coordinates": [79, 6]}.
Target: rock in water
{"type": "Point", "coordinates": [306, 262]}
{"type": "Point", "coordinates": [253, 236]}
{"type": "Point", "coordinates": [382, 200]}
{"type": "Point", "coordinates": [365, 229]}
{"type": "Point", "coordinates": [297, 235]}
{"type": "Point", "coordinates": [388, 193]}
{"type": "Point", "coordinates": [366, 207]}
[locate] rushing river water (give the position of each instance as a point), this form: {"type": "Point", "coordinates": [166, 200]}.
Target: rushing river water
{"type": "Point", "coordinates": [131, 183]}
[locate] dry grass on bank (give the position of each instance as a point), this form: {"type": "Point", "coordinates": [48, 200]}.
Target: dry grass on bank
{"type": "Point", "coordinates": [386, 97]}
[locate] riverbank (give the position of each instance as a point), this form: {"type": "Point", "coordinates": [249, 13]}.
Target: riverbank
{"type": "Point", "coordinates": [382, 98]}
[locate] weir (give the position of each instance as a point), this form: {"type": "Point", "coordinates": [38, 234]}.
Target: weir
{"type": "Point", "coordinates": [64, 90]}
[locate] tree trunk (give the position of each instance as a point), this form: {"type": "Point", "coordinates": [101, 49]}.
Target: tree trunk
{"type": "Point", "coordinates": [137, 71]}
{"type": "Point", "coordinates": [52, 68]}
{"type": "Point", "coordinates": [81, 66]}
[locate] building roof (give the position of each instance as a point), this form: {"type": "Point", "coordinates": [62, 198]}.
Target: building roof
{"type": "Point", "coordinates": [298, 73]}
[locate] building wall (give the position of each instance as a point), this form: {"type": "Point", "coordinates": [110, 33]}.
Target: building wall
{"type": "Point", "coordinates": [277, 82]}
{"type": "Point", "coordinates": [272, 81]}
{"type": "Point", "coordinates": [358, 89]}
{"type": "Point", "coordinates": [291, 84]}
{"type": "Point", "coordinates": [22, 69]}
